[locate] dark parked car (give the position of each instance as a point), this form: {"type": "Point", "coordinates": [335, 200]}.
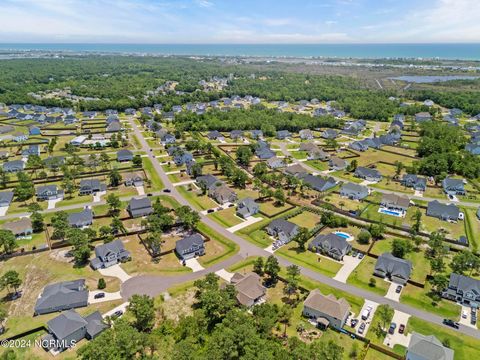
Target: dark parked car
{"type": "Point", "coordinates": [451, 323]}
{"type": "Point", "coordinates": [391, 329]}
{"type": "Point", "coordinates": [210, 210]}
{"type": "Point", "coordinates": [118, 313]}
{"type": "Point", "coordinates": [398, 289]}
{"type": "Point", "coordinates": [362, 327]}
{"type": "Point", "coordinates": [360, 256]}
{"type": "Point", "coordinates": [99, 295]}
{"type": "Point", "coordinates": [353, 323]}
{"type": "Point", "coordinates": [167, 190]}
{"type": "Point", "coordinates": [401, 329]}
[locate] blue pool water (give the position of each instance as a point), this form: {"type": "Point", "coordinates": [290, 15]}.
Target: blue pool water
{"type": "Point", "coordinates": [343, 235]}
{"type": "Point", "coordinates": [390, 212]}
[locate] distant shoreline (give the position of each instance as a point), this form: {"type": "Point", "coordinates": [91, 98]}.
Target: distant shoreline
{"type": "Point", "coordinates": [337, 52]}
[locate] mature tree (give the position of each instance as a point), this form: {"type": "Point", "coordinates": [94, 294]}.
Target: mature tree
{"type": "Point", "coordinates": [302, 237]}
{"type": "Point", "coordinates": [8, 242]}
{"type": "Point", "coordinates": [284, 316]}
{"type": "Point", "coordinates": [115, 177]}
{"type": "Point", "coordinates": [10, 280]}
{"type": "Point", "coordinates": [437, 265]}
{"type": "Point", "coordinates": [327, 350]}
{"type": "Point", "coordinates": [293, 274]}
{"type": "Point", "coordinates": [244, 154]}
{"type": "Point", "coordinates": [266, 316]}
{"type": "Point", "coordinates": [260, 169]}
{"type": "Point", "coordinates": [272, 268]}
{"type": "Point", "coordinates": [464, 261]}
{"type": "Point", "coordinates": [4, 178]}
{"type": "Point", "coordinates": [68, 185]}
{"type": "Point", "coordinates": [101, 284]}
{"type": "Point", "coordinates": [436, 245]}
{"type": "Point", "coordinates": [196, 169]}
{"type": "Point", "coordinates": [385, 313]}
{"type": "Point", "coordinates": [188, 216]}
{"type": "Point", "coordinates": [377, 231]}
{"type": "Point", "coordinates": [137, 161]}
{"type": "Point", "coordinates": [81, 250]}
{"type": "Point", "coordinates": [60, 225]}
{"type": "Point", "coordinates": [279, 196]}
{"type": "Point", "coordinates": [239, 178]}
{"type": "Point", "coordinates": [143, 310]}
{"type": "Point", "coordinates": [401, 247]}
{"type": "Point", "coordinates": [417, 220]}
{"type": "Point", "coordinates": [364, 237]}
{"type": "Point", "coordinates": [439, 283]}
{"type": "Point", "coordinates": [258, 266]}
{"type": "Point", "coordinates": [38, 224]}
{"type": "Point", "coordinates": [352, 166]}
{"type": "Point", "coordinates": [25, 189]}
{"type": "Point", "coordinates": [117, 226]}
{"type": "Point", "coordinates": [114, 203]}
{"type": "Point", "coordinates": [331, 143]}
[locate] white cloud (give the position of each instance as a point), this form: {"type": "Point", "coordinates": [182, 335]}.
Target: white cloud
{"type": "Point", "coordinates": [204, 3]}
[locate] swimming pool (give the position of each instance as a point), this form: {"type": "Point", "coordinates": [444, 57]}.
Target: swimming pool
{"type": "Point", "coordinates": [390, 212]}
{"type": "Point", "coordinates": [346, 236]}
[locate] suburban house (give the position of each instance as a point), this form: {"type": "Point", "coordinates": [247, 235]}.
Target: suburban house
{"type": "Point", "coordinates": [443, 212]}
{"type": "Point", "coordinates": [124, 155]}
{"type": "Point", "coordinates": [331, 244]}
{"type": "Point", "coordinates": [68, 328]}
{"type": "Point", "coordinates": [6, 198]}
{"type": "Point", "coordinates": [190, 246]}
{"type": "Point", "coordinates": [263, 151]}
{"type": "Point", "coordinates": [182, 157]}
{"type": "Point", "coordinates": [167, 139]}
{"type": "Point", "coordinates": [282, 229]}
{"type": "Point", "coordinates": [308, 146]}
{"type": "Point", "coordinates": [453, 186]}
{"type": "Point", "coordinates": [91, 186]}
{"type": "Point", "coordinates": [336, 163]}
{"type": "Point", "coordinates": [275, 163]}
{"type": "Point", "coordinates": [48, 192]}
{"type": "Point", "coordinates": [358, 146]}
{"type": "Point", "coordinates": [318, 183]}
{"type": "Point", "coordinates": [295, 170]}
{"type": "Point", "coordinates": [329, 134]}
{"type": "Point", "coordinates": [326, 310]}
{"type": "Point", "coordinates": [13, 166]}
{"type": "Point", "coordinates": [4, 154]}
{"type": "Point", "coordinates": [422, 347]}
{"type": "Point", "coordinates": [354, 191]}
{"type": "Point", "coordinates": [422, 117]}
{"type": "Point", "coordinates": [63, 295]}
{"type": "Point", "coordinates": [414, 181]}
{"type": "Point", "coordinates": [19, 136]}
{"type": "Point", "coordinates": [395, 202]}
{"type": "Point", "coordinates": [396, 269]}
{"type": "Point", "coordinates": [222, 194]}
{"type": "Point", "coordinates": [247, 207]}
{"type": "Point", "coordinates": [207, 181]}
{"type": "Point", "coordinates": [81, 219]}
{"type": "Point", "coordinates": [283, 134]}
{"type": "Point", "coordinates": [236, 135]}
{"type": "Point", "coordinates": [133, 179]}
{"type": "Point", "coordinates": [463, 289]}
{"type": "Point", "coordinates": [306, 134]}
{"type": "Point", "coordinates": [31, 150]}
{"type": "Point", "coordinates": [20, 228]}
{"type": "Point", "coordinates": [249, 288]}
{"type": "Point", "coordinates": [114, 126]}
{"type": "Point", "coordinates": [78, 141]}
{"type": "Point", "coordinates": [109, 254]}
{"type": "Point", "coordinates": [215, 135]}
{"type": "Point", "coordinates": [317, 154]}
{"type": "Point", "coordinates": [138, 207]}
{"type": "Point", "coordinates": [368, 174]}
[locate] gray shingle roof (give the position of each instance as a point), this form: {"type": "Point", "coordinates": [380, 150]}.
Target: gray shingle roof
{"type": "Point", "coordinates": [82, 218]}
{"type": "Point", "coordinates": [427, 348]}
{"type": "Point", "coordinates": [188, 243]}
{"type": "Point", "coordinates": [62, 295]}
{"type": "Point", "coordinates": [393, 266]}
{"type": "Point", "coordinates": [66, 324]}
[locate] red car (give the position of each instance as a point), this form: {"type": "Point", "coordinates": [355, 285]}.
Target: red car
{"type": "Point", "coordinates": [401, 329]}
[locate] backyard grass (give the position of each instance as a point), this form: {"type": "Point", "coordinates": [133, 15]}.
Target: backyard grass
{"type": "Point", "coordinates": [362, 274]}
{"type": "Point", "coordinates": [270, 209]}
{"type": "Point", "coordinates": [309, 259]}
{"type": "Point", "coordinates": [226, 217]}
{"type": "Point", "coordinates": [229, 248]}
{"type": "Point", "coordinates": [465, 347]}
{"type": "Point", "coordinates": [317, 164]}
{"type": "Point", "coordinates": [306, 219]}
{"type": "Point", "coordinates": [471, 227]}
{"type": "Point", "coordinates": [200, 202]}
{"type": "Point", "coordinates": [156, 182]}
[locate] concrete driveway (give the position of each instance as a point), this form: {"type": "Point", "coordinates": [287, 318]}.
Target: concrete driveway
{"type": "Point", "coordinates": [140, 190]}
{"type": "Point", "coordinates": [121, 307]}
{"type": "Point", "coordinates": [115, 271]}
{"type": "Point", "coordinates": [186, 182]}
{"type": "Point", "coordinates": [3, 210]}
{"type": "Point", "coordinates": [194, 265]}
{"type": "Point", "coordinates": [397, 338]}
{"type": "Point", "coordinates": [391, 293]}
{"type": "Point", "coordinates": [109, 296]}
{"type": "Point", "coordinates": [349, 264]}
{"type": "Point", "coordinates": [224, 274]}
{"type": "Point", "coordinates": [52, 203]}
{"type": "Point", "coordinates": [367, 322]}
{"type": "Point", "coordinates": [466, 321]}
{"type": "Point", "coordinates": [98, 196]}
{"type": "Point", "coordinates": [248, 221]}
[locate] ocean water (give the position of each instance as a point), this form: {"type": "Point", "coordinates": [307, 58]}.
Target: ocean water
{"type": "Point", "coordinates": [441, 51]}
{"type": "Point", "coordinates": [426, 79]}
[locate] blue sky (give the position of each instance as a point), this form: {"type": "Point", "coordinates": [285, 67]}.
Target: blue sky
{"type": "Point", "coordinates": [240, 21]}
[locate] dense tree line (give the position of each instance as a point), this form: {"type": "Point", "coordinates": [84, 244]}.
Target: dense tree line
{"type": "Point", "coordinates": [468, 101]}
{"type": "Point", "coordinates": [268, 120]}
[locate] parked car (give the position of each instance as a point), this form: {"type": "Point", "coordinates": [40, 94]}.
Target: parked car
{"type": "Point", "coordinates": [99, 295]}
{"type": "Point", "coordinates": [366, 312]}
{"type": "Point", "coordinates": [391, 329]}
{"type": "Point", "coordinates": [398, 289]}
{"type": "Point", "coordinates": [401, 329]}
{"type": "Point", "coordinates": [360, 256]}
{"type": "Point", "coordinates": [450, 196]}
{"type": "Point", "coordinates": [353, 323]}
{"type": "Point", "coordinates": [210, 210]}
{"type": "Point", "coordinates": [464, 314]}
{"type": "Point", "coordinates": [167, 190]}
{"type": "Point", "coordinates": [451, 323]}
{"type": "Point", "coordinates": [362, 327]}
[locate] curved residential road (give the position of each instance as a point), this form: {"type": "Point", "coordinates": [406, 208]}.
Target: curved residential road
{"type": "Point", "coordinates": [155, 285]}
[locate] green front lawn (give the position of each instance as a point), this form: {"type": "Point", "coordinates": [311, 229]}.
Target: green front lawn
{"type": "Point", "coordinates": [362, 274]}
{"type": "Point", "coordinates": [306, 219]}
{"type": "Point", "coordinates": [200, 202]}
{"type": "Point", "coordinates": [157, 183]}
{"type": "Point", "coordinates": [214, 252]}
{"type": "Point", "coordinates": [226, 217]}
